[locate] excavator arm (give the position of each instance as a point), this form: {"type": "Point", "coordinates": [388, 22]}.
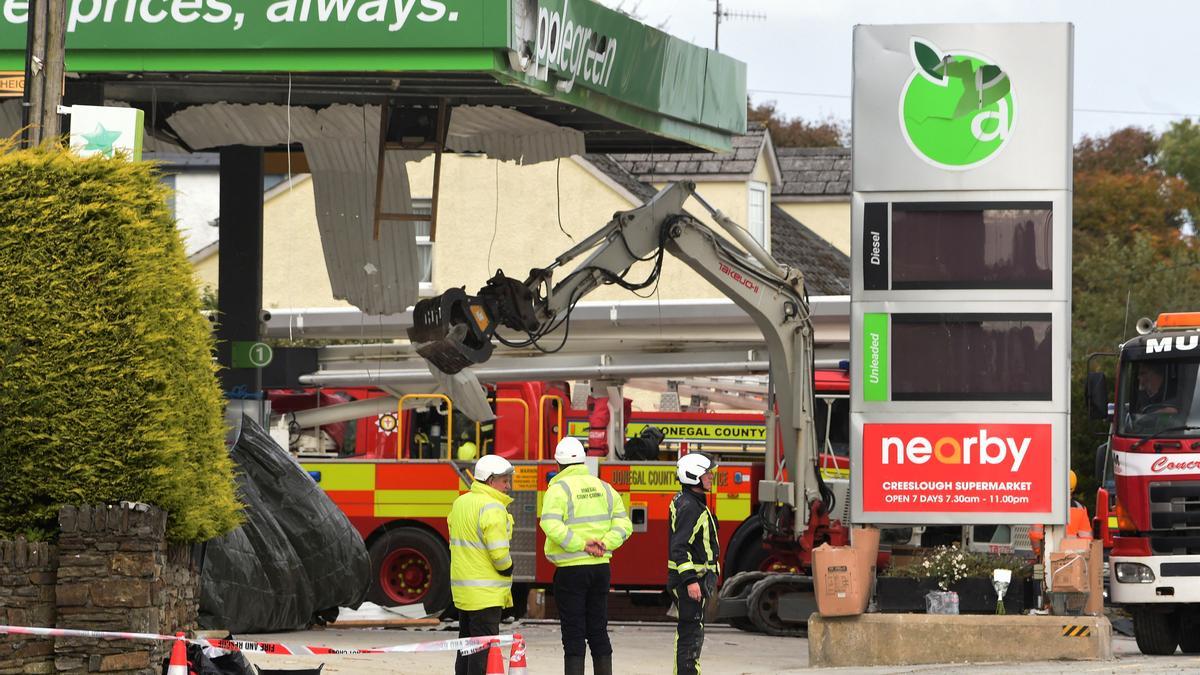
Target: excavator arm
{"type": "Point", "coordinates": [454, 330]}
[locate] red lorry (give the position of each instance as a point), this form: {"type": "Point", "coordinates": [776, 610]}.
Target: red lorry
{"type": "Point", "coordinates": [1152, 460]}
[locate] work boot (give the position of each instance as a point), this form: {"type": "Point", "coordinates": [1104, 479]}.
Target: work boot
{"type": "Point", "coordinates": [573, 665]}
{"type": "Point", "coordinates": [602, 664]}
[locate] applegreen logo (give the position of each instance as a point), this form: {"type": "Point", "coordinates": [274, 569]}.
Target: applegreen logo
{"type": "Point", "coordinates": [956, 110]}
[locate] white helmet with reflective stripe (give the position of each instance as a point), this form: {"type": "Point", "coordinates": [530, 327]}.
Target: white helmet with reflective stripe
{"type": "Point", "coordinates": [691, 466]}
{"type": "Point", "coordinates": [569, 451]}
{"type": "Point", "coordinates": [490, 466]}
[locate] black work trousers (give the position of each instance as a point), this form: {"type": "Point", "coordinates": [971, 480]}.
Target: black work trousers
{"type": "Point", "coordinates": [581, 594]}
{"type": "Point", "coordinates": [689, 630]}
{"type": "Point", "coordinates": [476, 623]}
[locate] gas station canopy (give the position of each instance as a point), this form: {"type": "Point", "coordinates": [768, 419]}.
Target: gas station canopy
{"type": "Point", "coordinates": [573, 63]}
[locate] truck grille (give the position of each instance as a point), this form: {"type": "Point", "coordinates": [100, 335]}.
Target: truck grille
{"type": "Point", "coordinates": [524, 542]}
{"type": "Point", "coordinates": [1174, 506]}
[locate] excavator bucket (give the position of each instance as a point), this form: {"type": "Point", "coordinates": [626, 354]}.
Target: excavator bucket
{"type": "Point", "coordinates": [452, 331]}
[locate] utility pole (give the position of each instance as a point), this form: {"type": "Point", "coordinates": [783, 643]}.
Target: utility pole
{"type": "Point", "coordinates": [721, 14]}
{"type": "Point", "coordinates": [45, 63]}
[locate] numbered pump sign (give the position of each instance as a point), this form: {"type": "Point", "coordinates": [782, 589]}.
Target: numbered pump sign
{"type": "Point", "coordinates": [961, 268]}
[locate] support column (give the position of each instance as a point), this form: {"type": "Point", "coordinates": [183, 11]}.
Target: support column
{"type": "Point", "coordinates": [239, 299]}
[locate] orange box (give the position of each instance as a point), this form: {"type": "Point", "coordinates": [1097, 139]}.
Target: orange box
{"type": "Point", "coordinates": [842, 575]}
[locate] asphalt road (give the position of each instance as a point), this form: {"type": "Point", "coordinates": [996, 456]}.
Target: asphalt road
{"type": "Point", "coordinates": [647, 649]}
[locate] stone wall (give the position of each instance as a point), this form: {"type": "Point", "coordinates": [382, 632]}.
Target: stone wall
{"type": "Point", "coordinates": [27, 579]}
{"type": "Point", "coordinates": [113, 571]}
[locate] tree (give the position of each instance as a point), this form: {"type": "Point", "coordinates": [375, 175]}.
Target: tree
{"type": "Point", "coordinates": [794, 132]}
{"type": "Point", "coordinates": [1128, 150]}
{"type": "Point", "coordinates": [1180, 147]}
{"type": "Point", "coordinates": [108, 390]}
{"type": "Point", "coordinates": [1121, 189]}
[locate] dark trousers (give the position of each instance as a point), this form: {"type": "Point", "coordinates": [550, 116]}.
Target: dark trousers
{"type": "Point", "coordinates": [689, 631]}
{"type": "Point", "coordinates": [581, 594]}
{"type": "Point", "coordinates": [476, 623]}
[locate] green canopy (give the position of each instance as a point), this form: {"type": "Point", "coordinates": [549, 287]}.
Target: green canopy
{"type": "Point", "coordinates": [627, 86]}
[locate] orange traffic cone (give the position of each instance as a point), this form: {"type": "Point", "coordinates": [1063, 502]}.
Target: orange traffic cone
{"type": "Point", "coordinates": [495, 662]}
{"type": "Point", "coordinates": [179, 662]}
{"type": "Point", "coordinates": [516, 657]}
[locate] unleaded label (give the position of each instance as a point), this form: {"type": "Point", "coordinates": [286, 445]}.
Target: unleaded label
{"type": "Point", "coordinates": [875, 357]}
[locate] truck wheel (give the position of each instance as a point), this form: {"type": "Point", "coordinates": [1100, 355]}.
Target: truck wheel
{"type": "Point", "coordinates": [1189, 630]}
{"type": "Point", "coordinates": [1157, 632]}
{"type": "Point", "coordinates": [410, 565]}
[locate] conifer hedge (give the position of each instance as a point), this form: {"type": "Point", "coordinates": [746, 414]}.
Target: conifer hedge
{"type": "Point", "coordinates": [107, 385]}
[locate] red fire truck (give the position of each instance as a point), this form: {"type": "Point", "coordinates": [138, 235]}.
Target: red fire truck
{"type": "Point", "coordinates": [395, 475]}
{"type": "Point", "coordinates": [1153, 458]}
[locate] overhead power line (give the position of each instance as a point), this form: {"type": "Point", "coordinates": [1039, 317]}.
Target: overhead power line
{"type": "Point", "coordinates": [1105, 111]}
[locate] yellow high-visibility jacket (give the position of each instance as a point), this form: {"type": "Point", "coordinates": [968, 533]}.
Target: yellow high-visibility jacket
{"type": "Point", "coordinates": [577, 508]}
{"type": "Point", "coordinates": [480, 564]}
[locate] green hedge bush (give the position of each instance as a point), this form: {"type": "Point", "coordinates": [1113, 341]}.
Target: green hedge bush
{"type": "Point", "coordinates": [107, 384]}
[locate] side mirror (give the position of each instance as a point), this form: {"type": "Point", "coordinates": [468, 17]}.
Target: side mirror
{"type": "Point", "coordinates": [1101, 463]}
{"type": "Point", "coordinates": [1095, 394]}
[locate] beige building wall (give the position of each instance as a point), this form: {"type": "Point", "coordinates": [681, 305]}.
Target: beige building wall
{"type": "Point", "coordinates": [491, 215]}
{"type": "Point", "coordinates": [294, 272]}
{"type": "Point", "coordinates": [830, 220]}
{"type": "Point", "coordinates": [205, 271]}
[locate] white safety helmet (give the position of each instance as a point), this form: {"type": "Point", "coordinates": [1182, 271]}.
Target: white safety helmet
{"type": "Point", "coordinates": [569, 451]}
{"type": "Point", "coordinates": [691, 466]}
{"type": "Point", "coordinates": [490, 466]}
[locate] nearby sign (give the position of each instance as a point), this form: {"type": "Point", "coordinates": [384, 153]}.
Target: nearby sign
{"type": "Point", "coordinates": [960, 283]}
{"type": "Point", "coordinates": [965, 468]}
{"type": "Point", "coordinates": [248, 354]}
{"type": "Point", "coordinates": [105, 130]}
{"type": "Point", "coordinates": [11, 84]}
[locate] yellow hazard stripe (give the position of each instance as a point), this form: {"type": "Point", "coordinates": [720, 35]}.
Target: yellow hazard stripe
{"type": "Point", "coordinates": [344, 476]}
{"type": "Point", "coordinates": [733, 507]}
{"type": "Point", "coordinates": [415, 496]}
{"type": "Point", "coordinates": [414, 503]}
{"type": "Point", "coordinates": [1076, 631]}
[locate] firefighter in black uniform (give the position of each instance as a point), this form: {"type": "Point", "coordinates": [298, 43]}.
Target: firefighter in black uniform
{"type": "Point", "coordinates": [692, 567]}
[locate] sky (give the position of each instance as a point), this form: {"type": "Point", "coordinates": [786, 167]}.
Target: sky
{"type": "Point", "coordinates": [1135, 63]}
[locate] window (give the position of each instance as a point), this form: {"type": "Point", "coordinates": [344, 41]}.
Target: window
{"type": "Point", "coordinates": [424, 206]}
{"type": "Point", "coordinates": [757, 215]}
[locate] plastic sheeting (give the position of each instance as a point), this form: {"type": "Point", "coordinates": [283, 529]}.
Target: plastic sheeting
{"type": "Point", "coordinates": [296, 555]}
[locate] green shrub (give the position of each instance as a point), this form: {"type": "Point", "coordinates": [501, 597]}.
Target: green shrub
{"type": "Point", "coordinates": [107, 384]}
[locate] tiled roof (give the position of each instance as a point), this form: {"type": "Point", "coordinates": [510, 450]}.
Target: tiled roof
{"type": "Point", "coordinates": [613, 169]}
{"type": "Point", "coordinates": [826, 269]}
{"type": "Point", "coordinates": [813, 173]}
{"type": "Point", "coordinates": [739, 161]}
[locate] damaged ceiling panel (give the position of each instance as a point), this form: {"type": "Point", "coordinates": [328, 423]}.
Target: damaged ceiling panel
{"type": "Point", "coordinates": [341, 143]}
{"type": "Point", "coordinates": [510, 135]}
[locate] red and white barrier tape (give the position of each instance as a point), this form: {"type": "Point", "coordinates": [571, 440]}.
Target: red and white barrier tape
{"type": "Point", "coordinates": [468, 645]}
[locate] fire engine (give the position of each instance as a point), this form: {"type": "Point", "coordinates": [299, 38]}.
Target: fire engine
{"type": "Point", "coordinates": [395, 474]}
{"type": "Point", "coordinates": [1153, 460]}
